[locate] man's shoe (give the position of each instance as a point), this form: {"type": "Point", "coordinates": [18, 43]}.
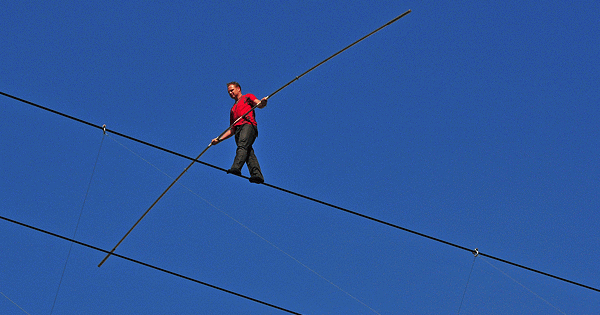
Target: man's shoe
{"type": "Point", "coordinates": [257, 179]}
{"type": "Point", "coordinates": [234, 171]}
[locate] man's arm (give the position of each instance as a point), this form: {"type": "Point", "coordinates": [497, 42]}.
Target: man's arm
{"type": "Point", "coordinates": [226, 135]}
{"type": "Point", "coordinates": [261, 103]}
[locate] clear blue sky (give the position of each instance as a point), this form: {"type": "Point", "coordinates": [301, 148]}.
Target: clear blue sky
{"type": "Point", "coordinates": [473, 122]}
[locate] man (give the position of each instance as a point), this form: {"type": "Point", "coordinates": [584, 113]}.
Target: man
{"type": "Point", "coordinates": [245, 131]}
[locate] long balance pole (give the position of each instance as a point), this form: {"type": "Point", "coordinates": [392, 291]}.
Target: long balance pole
{"type": "Point", "coordinates": [231, 126]}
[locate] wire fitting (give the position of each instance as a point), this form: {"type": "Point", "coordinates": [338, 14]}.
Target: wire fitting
{"type": "Point", "coordinates": [476, 252]}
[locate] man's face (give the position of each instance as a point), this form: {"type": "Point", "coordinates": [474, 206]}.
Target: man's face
{"type": "Point", "coordinates": [234, 91]}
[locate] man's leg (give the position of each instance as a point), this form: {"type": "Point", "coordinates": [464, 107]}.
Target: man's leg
{"type": "Point", "coordinates": [244, 138]}
{"type": "Point", "coordinates": [256, 175]}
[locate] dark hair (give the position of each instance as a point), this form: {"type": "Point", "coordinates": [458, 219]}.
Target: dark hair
{"type": "Point", "coordinates": [235, 84]}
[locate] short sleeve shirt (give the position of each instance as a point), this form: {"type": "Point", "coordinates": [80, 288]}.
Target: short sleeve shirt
{"type": "Point", "coordinates": [242, 106]}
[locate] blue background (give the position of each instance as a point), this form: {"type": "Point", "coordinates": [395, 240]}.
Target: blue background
{"type": "Point", "coordinates": [472, 122]}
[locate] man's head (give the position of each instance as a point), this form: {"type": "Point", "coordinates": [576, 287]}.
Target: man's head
{"type": "Point", "coordinates": [235, 90]}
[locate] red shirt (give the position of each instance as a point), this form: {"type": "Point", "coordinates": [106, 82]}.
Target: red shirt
{"type": "Point", "coordinates": [242, 106]}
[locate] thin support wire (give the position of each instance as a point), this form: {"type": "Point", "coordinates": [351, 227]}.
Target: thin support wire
{"type": "Point", "coordinates": [524, 287]}
{"type": "Point", "coordinates": [78, 220]}
{"type": "Point", "coordinates": [468, 279]}
{"type": "Point", "coordinates": [246, 227]}
{"type": "Point", "coordinates": [14, 303]}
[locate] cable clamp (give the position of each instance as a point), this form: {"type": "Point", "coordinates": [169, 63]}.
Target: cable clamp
{"type": "Point", "coordinates": [104, 128]}
{"type": "Point", "coordinates": [476, 252]}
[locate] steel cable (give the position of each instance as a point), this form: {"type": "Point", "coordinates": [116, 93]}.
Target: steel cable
{"type": "Point", "coordinates": [148, 265]}
{"type": "Point", "coordinates": [313, 199]}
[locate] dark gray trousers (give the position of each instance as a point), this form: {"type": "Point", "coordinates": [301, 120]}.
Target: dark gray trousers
{"type": "Point", "coordinates": [244, 138]}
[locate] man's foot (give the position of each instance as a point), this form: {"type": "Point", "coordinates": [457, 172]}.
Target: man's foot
{"type": "Point", "coordinates": [234, 171]}
{"type": "Point", "coordinates": [257, 179]}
